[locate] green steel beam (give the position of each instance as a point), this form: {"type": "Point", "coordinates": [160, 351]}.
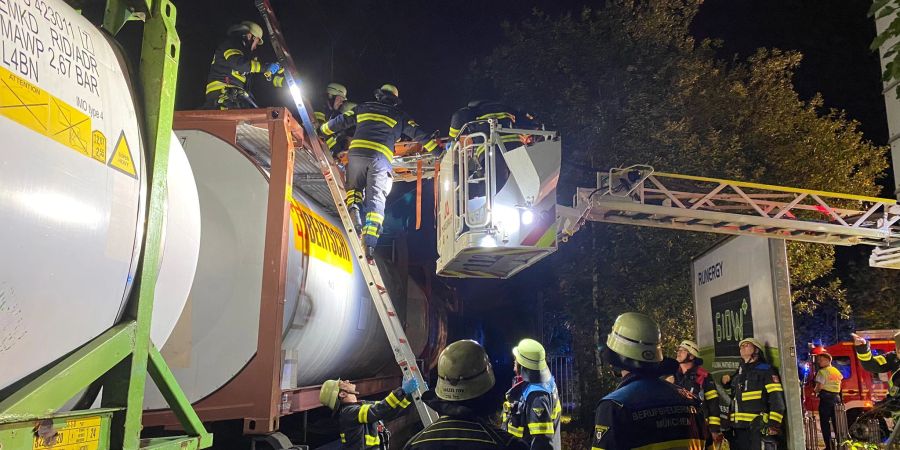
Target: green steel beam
{"type": "Point", "coordinates": [119, 357]}
{"type": "Point", "coordinates": [52, 389]}
{"type": "Point", "coordinates": [124, 385]}
{"type": "Point", "coordinates": [181, 406]}
{"type": "Point", "coordinates": [119, 12]}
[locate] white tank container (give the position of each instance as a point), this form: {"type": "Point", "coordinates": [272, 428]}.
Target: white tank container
{"type": "Point", "coordinates": [73, 191]}
{"type": "Point", "coordinates": [330, 326]}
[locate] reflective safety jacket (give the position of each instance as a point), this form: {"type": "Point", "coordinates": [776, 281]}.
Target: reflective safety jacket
{"type": "Point", "coordinates": [461, 428]}
{"type": "Point", "coordinates": [646, 412]}
{"type": "Point", "coordinates": [700, 384]}
{"type": "Point", "coordinates": [757, 397]}
{"type": "Point", "coordinates": [534, 415]}
{"type": "Point", "coordinates": [484, 110]}
{"type": "Point", "coordinates": [336, 142]}
{"type": "Point", "coordinates": [358, 422]}
{"type": "Point", "coordinates": [323, 112]}
{"type": "Point", "coordinates": [231, 64]}
{"type": "Point", "coordinates": [506, 116]}
{"type": "Point", "coordinates": [378, 127]}
{"type": "Point", "coordinates": [886, 363]}
{"type": "Point", "coordinates": [830, 378]}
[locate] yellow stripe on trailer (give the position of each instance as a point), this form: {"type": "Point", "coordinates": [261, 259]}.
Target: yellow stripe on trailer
{"type": "Point", "coordinates": [861, 198]}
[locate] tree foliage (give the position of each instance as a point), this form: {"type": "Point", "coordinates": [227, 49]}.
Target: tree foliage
{"type": "Point", "coordinates": [888, 10]}
{"type": "Point", "coordinates": [627, 84]}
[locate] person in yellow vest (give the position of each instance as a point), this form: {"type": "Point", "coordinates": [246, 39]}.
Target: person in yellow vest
{"type": "Point", "coordinates": [828, 389]}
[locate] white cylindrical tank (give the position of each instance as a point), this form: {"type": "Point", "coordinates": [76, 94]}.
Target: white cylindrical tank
{"type": "Point", "coordinates": [330, 326]}
{"type": "Point", "coordinates": [73, 191]}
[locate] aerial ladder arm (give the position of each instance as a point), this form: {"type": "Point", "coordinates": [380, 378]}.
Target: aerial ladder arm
{"type": "Point", "coordinates": [638, 195]}
{"type": "Point", "coordinates": [403, 353]}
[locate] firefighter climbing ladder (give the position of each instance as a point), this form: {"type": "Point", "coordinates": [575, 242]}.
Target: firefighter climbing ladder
{"type": "Point", "coordinates": [638, 195]}
{"type": "Point", "coordinates": [386, 312]}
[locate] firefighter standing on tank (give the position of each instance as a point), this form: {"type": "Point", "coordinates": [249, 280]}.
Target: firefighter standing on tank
{"type": "Point", "coordinates": [757, 405]}
{"type": "Point", "coordinates": [379, 125]}
{"type": "Point", "coordinates": [644, 411]}
{"type": "Point", "coordinates": [532, 410]}
{"type": "Point", "coordinates": [331, 106]}
{"type": "Point", "coordinates": [360, 422]}
{"type": "Point", "coordinates": [233, 62]}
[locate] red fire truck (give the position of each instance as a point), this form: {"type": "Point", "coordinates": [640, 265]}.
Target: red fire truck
{"type": "Point", "coordinates": [860, 388]}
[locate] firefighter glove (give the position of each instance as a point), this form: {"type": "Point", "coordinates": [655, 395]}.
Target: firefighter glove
{"type": "Point", "coordinates": [410, 386]}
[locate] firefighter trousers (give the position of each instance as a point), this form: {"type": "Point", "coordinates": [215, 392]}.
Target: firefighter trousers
{"type": "Point", "coordinates": [369, 180]}
{"type": "Point", "coordinates": [229, 98]}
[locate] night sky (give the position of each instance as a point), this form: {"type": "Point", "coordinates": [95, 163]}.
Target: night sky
{"type": "Point", "coordinates": [426, 47]}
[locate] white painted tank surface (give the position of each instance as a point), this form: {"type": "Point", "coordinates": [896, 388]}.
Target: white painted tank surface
{"type": "Point", "coordinates": [72, 190]}
{"type": "Point", "coordinates": [330, 326]}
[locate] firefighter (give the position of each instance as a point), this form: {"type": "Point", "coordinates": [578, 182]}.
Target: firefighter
{"type": "Point", "coordinates": [828, 389]}
{"type": "Point", "coordinates": [532, 408]}
{"type": "Point", "coordinates": [335, 96]}
{"type": "Point", "coordinates": [695, 379]}
{"type": "Point", "coordinates": [340, 142]}
{"type": "Point", "coordinates": [644, 411]}
{"type": "Point", "coordinates": [226, 84]}
{"type": "Point", "coordinates": [888, 362]}
{"type": "Point", "coordinates": [360, 422]}
{"type": "Point", "coordinates": [757, 399]}
{"type": "Point", "coordinates": [464, 377]}
{"type": "Point", "coordinates": [507, 117]}
{"type": "Point", "coordinates": [379, 125]}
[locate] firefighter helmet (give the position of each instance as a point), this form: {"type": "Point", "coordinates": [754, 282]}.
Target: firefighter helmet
{"type": "Point", "coordinates": [530, 354]}
{"type": "Point", "coordinates": [635, 340]}
{"type": "Point", "coordinates": [756, 343]}
{"type": "Point", "coordinates": [820, 351]}
{"type": "Point", "coordinates": [464, 372]}
{"type": "Point", "coordinates": [336, 89]}
{"type": "Point", "coordinates": [328, 394]}
{"type": "Point", "coordinates": [390, 88]}
{"type": "Point", "coordinates": [691, 347]}
{"type": "Point", "coordinates": [247, 27]}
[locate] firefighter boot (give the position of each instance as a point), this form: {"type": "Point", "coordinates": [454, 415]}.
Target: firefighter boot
{"type": "Point", "coordinates": [370, 254]}
{"type": "Point", "coordinates": [355, 217]}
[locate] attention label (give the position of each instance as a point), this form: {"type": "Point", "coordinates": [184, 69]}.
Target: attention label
{"type": "Point", "coordinates": [121, 158]}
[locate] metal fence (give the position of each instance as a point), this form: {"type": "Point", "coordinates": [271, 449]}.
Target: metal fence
{"type": "Point", "coordinates": [563, 370]}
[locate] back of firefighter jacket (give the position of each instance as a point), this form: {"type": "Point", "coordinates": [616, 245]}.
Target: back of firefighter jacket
{"type": "Point", "coordinates": [358, 422]}
{"type": "Point", "coordinates": [505, 116]}
{"type": "Point", "coordinates": [378, 127]}
{"type": "Point", "coordinates": [645, 411]}
{"type": "Point", "coordinates": [536, 415]}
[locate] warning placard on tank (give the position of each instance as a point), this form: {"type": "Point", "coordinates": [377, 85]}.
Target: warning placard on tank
{"type": "Point", "coordinates": [59, 77]}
